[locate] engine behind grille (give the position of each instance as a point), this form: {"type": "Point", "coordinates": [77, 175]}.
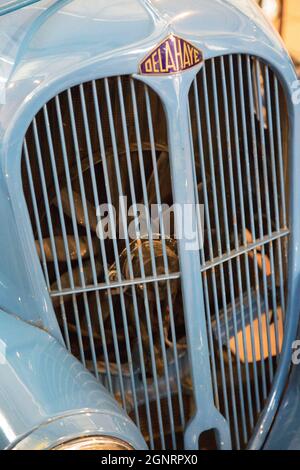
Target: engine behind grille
{"type": "Point", "coordinates": [239, 133]}
{"type": "Point", "coordinates": [118, 299]}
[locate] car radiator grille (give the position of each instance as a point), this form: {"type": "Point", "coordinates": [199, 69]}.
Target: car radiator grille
{"type": "Point", "coordinates": [118, 299]}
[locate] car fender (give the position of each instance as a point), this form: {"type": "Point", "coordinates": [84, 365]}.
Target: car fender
{"type": "Point", "coordinates": [47, 396]}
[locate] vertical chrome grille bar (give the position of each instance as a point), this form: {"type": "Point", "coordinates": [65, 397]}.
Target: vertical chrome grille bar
{"type": "Point", "coordinates": [153, 262]}
{"type": "Point", "coordinates": [258, 198]}
{"type": "Point", "coordinates": [267, 202]}
{"type": "Point", "coordinates": [243, 225]}
{"type": "Point", "coordinates": [282, 189]}
{"type": "Point", "coordinates": [48, 216]}
{"type": "Point", "coordinates": [88, 232]}
{"type": "Point", "coordinates": [280, 152]}
{"type": "Point", "coordinates": [73, 216]}
{"type": "Point", "coordinates": [281, 284]}
{"type": "Point", "coordinates": [272, 146]}
{"type": "Point", "coordinates": [227, 242]}
{"type": "Point", "coordinates": [102, 246]}
{"type": "Point", "coordinates": [235, 230]}
{"type": "Point", "coordinates": [96, 200]}
{"type": "Point", "coordinates": [61, 215]}
{"type": "Point", "coordinates": [165, 258]}
{"type": "Point", "coordinates": [145, 291]}
{"type": "Point", "coordinates": [137, 322]}
{"type": "Point", "coordinates": [82, 191]}
{"type": "Point", "coordinates": [251, 210]}
{"type": "Point", "coordinates": [136, 314]}
{"type": "Point", "coordinates": [218, 235]}
{"type": "Point", "coordinates": [119, 275]}
{"type": "Point", "coordinates": [41, 244]}
{"type": "Point", "coordinates": [276, 206]}
{"type": "Point", "coordinates": [36, 213]}
{"type": "Point", "coordinates": [207, 220]}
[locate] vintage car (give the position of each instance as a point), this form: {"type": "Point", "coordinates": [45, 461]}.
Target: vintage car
{"type": "Point", "coordinates": [174, 329]}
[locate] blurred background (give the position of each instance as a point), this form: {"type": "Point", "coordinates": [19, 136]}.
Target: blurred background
{"type": "Point", "coordinates": [285, 15]}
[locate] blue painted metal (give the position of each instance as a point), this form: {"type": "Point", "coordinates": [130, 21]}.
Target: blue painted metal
{"type": "Point", "coordinates": [285, 432]}
{"type": "Point", "coordinates": [13, 5]}
{"type": "Point", "coordinates": [42, 53]}
{"type": "Point", "coordinates": [47, 396]}
{"type": "Point", "coordinates": [292, 318]}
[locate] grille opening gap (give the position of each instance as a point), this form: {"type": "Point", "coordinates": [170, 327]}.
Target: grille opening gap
{"type": "Point", "coordinates": [208, 440]}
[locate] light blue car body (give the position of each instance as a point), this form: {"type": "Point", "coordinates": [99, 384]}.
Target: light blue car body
{"type": "Point", "coordinates": [46, 395]}
{"type": "Point", "coordinates": [45, 48]}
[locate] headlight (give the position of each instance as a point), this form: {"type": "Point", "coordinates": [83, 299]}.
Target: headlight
{"type": "Point", "coordinates": [94, 443]}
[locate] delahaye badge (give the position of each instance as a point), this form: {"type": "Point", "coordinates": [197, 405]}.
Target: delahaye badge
{"type": "Point", "coordinates": [172, 55]}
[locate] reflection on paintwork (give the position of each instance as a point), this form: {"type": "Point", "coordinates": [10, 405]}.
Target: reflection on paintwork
{"type": "Point", "coordinates": [6, 429]}
{"type": "Point", "coordinates": [40, 379]}
{"type": "Point", "coordinates": [285, 433]}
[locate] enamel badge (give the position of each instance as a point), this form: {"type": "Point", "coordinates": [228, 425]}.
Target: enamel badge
{"type": "Point", "coordinates": [172, 55]}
